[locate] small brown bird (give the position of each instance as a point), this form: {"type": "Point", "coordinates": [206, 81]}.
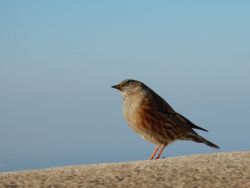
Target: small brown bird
{"type": "Point", "coordinates": [154, 119]}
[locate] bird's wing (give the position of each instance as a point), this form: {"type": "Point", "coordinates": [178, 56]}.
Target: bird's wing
{"type": "Point", "coordinates": [160, 104]}
{"type": "Point", "coordinates": [163, 107]}
{"type": "Point", "coordinates": [189, 123]}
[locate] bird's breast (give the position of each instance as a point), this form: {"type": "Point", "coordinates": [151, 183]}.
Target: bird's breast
{"type": "Point", "coordinates": [130, 108]}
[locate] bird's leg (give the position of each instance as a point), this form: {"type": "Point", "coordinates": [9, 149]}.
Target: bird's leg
{"type": "Point", "coordinates": [154, 152]}
{"type": "Point", "coordinates": [161, 151]}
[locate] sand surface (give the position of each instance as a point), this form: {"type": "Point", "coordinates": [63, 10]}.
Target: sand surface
{"type": "Point", "coordinates": [208, 170]}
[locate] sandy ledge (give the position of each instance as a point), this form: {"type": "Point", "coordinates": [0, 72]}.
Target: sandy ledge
{"type": "Point", "coordinates": [207, 170]}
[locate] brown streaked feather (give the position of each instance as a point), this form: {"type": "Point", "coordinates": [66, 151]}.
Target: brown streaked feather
{"type": "Point", "coordinates": [162, 106]}
{"type": "Point", "coordinates": [160, 124]}
{"type": "Point", "coordinates": [149, 119]}
{"type": "Point", "coordinates": [175, 125]}
{"type": "Point", "coordinates": [158, 103]}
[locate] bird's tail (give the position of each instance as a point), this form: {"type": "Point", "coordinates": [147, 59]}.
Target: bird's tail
{"type": "Point", "coordinates": [200, 139]}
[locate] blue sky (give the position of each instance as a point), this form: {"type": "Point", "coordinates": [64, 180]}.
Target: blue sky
{"type": "Point", "coordinates": [58, 60]}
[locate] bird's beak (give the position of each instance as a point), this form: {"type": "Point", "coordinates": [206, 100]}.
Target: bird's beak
{"type": "Point", "coordinates": [117, 87]}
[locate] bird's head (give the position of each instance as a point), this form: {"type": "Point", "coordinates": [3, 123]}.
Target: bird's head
{"type": "Point", "coordinates": [129, 87]}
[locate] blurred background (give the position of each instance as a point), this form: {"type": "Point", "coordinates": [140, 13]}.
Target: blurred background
{"type": "Point", "coordinates": [58, 60]}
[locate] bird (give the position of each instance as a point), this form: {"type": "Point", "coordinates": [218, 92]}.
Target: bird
{"type": "Point", "coordinates": [152, 118]}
